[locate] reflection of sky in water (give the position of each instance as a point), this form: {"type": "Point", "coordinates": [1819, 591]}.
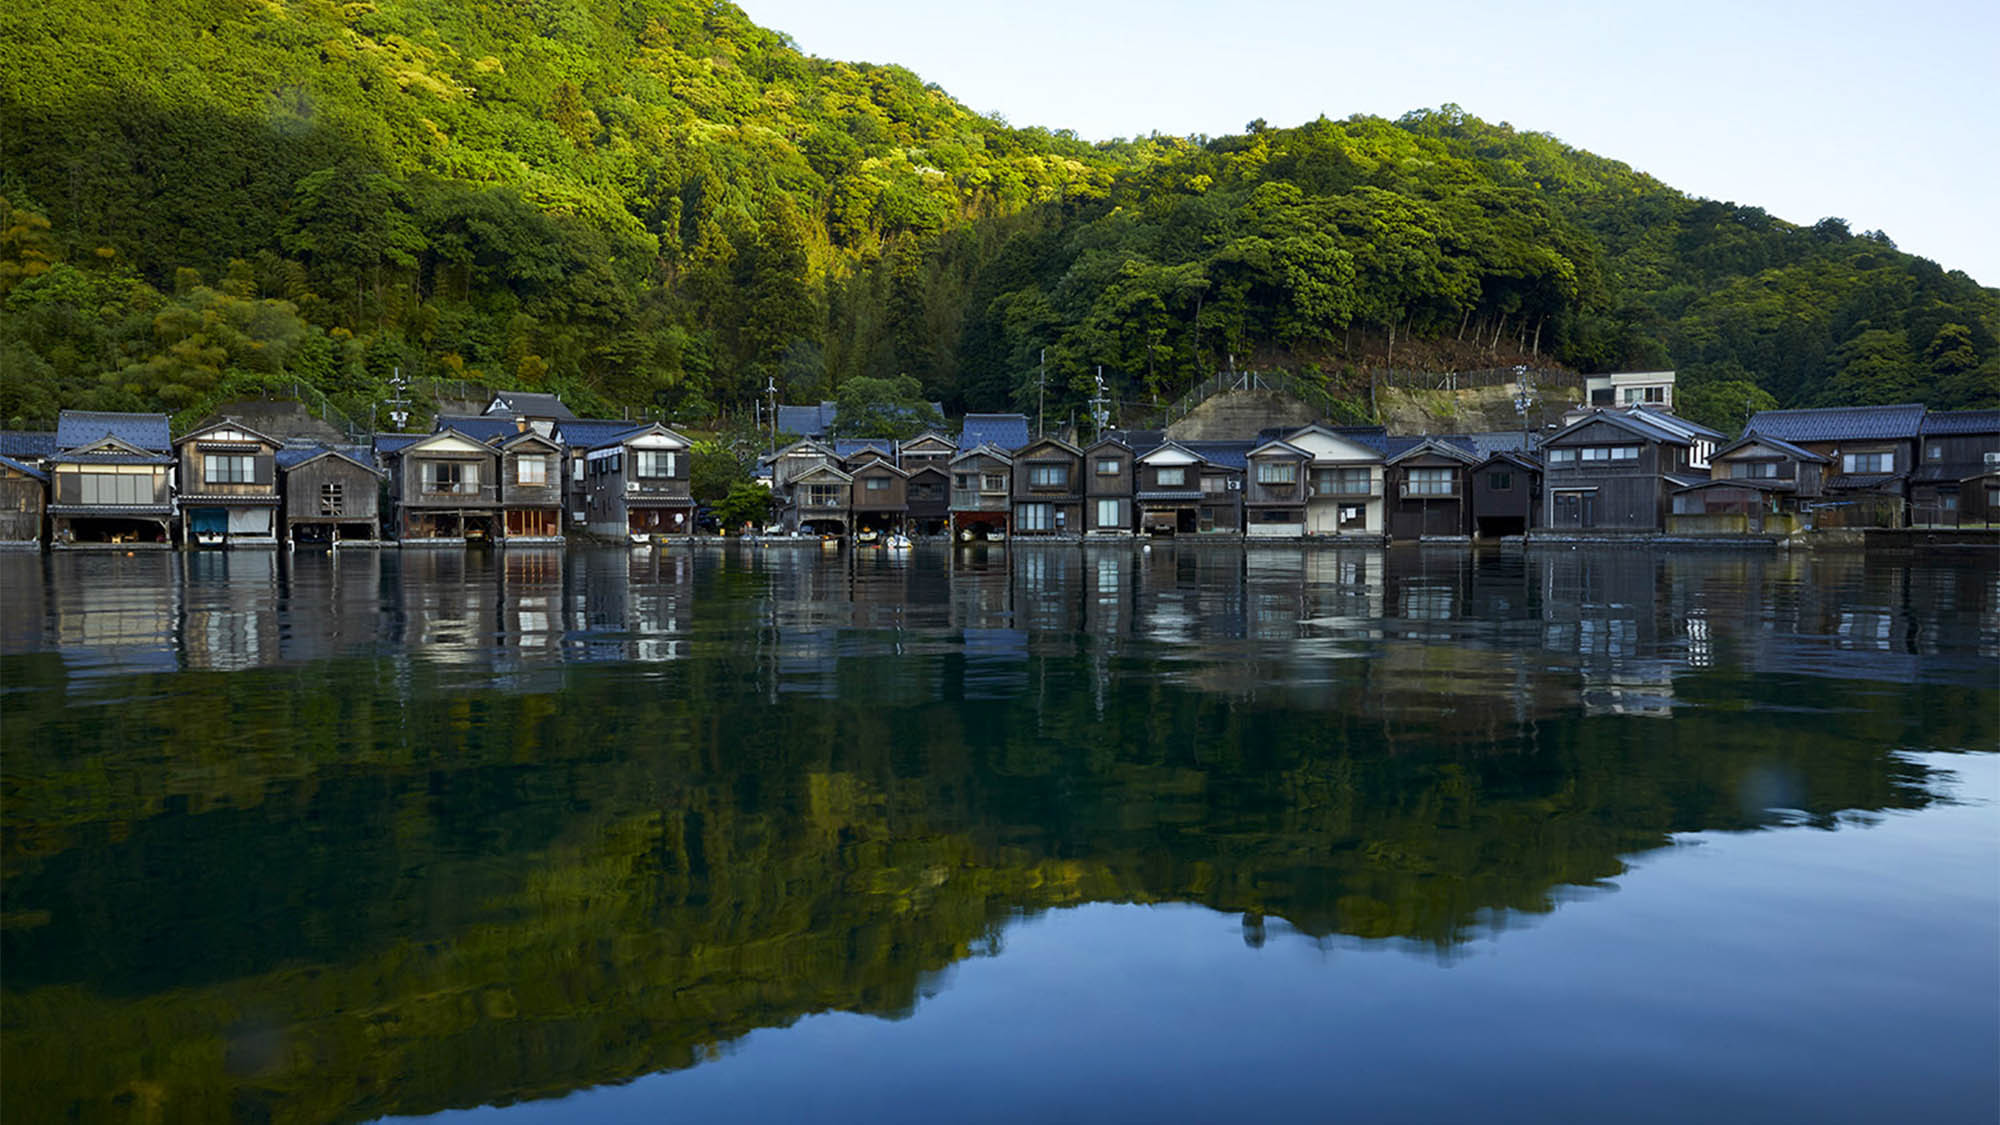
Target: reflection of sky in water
{"type": "Point", "coordinates": [1829, 970]}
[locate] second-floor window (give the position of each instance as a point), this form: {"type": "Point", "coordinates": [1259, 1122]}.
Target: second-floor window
{"type": "Point", "coordinates": [1214, 484]}
{"type": "Point", "coordinates": [1341, 482]}
{"type": "Point", "coordinates": [653, 463]}
{"type": "Point", "coordinates": [1934, 451]}
{"type": "Point", "coordinates": [115, 488]}
{"type": "Point", "coordinates": [1108, 466]}
{"type": "Point", "coordinates": [822, 495]}
{"type": "Point", "coordinates": [878, 484]}
{"type": "Point", "coordinates": [531, 471]}
{"type": "Point", "coordinates": [1868, 463]}
{"type": "Point", "coordinates": [1171, 478]}
{"type": "Point", "coordinates": [1047, 476]}
{"type": "Point", "coordinates": [1500, 482]}
{"type": "Point", "coordinates": [449, 476]}
{"type": "Point", "coordinates": [993, 482]}
{"type": "Point", "coordinates": [1430, 482]}
{"type": "Point", "coordinates": [228, 468]}
{"type": "Point", "coordinates": [332, 499]}
{"type": "Point", "coordinates": [1277, 472]}
{"type": "Point", "coordinates": [1753, 470]}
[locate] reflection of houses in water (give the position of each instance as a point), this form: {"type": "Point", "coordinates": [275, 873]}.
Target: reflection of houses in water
{"type": "Point", "coordinates": [1602, 608]}
{"type": "Point", "coordinates": [335, 602]}
{"type": "Point", "coordinates": [115, 613]}
{"type": "Point", "coordinates": [627, 605]}
{"type": "Point", "coordinates": [229, 610]}
{"type": "Point", "coordinates": [24, 622]}
{"type": "Point", "coordinates": [449, 604]}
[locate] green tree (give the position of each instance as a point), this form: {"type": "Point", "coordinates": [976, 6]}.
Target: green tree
{"type": "Point", "coordinates": [886, 408]}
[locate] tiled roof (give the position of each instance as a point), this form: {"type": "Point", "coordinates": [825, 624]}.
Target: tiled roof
{"type": "Point", "coordinates": [75, 428]}
{"type": "Point", "coordinates": [590, 433]}
{"type": "Point", "coordinates": [478, 427]}
{"type": "Point", "coordinates": [1840, 423]}
{"type": "Point", "coordinates": [1142, 439]}
{"type": "Point", "coordinates": [1779, 444]}
{"type": "Point", "coordinates": [386, 444]}
{"type": "Point", "coordinates": [1851, 481]}
{"type": "Point", "coordinates": [1227, 454]}
{"type": "Point", "coordinates": [292, 456]}
{"type": "Point", "coordinates": [27, 443]}
{"type": "Point", "coordinates": [805, 421]}
{"type": "Point", "coordinates": [1942, 422]}
{"type": "Point", "coordinates": [529, 404]}
{"type": "Point", "coordinates": [20, 467]}
{"type": "Point", "coordinates": [1007, 431]}
{"type": "Point", "coordinates": [845, 449]}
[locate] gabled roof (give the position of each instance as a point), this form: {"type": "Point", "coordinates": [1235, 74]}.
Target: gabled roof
{"type": "Point", "coordinates": [1136, 440]}
{"type": "Point", "coordinates": [1841, 423]}
{"type": "Point", "coordinates": [1939, 423]}
{"type": "Point", "coordinates": [479, 427]}
{"type": "Point", "coordinates": [806, 444]}
{"type": "Point", "coordinates": [818, 470]}
{"type": "Point", "coordinates": [984, 450]}
{"type": "Point", "coordinates": [928, 435]}
{"type": "Point", "coordinates": [1278, 446]}
{"type": "Point", "coordinates": [1637, 427]}
{"type": "Point", "coordinates": [431, 438]}
{"type": "Point", "coordinates": [1221, 454]}
{"type": "Point", "coordinates": [1107, 439]}
{"type": "Point", "coordinates": [1004, 431]}
{"type": "Point", "coordinates": [529, 404]}
{"type": "Point", "coordinates": [27, 443]}
{"type": "Point", "coordinates": [848, 447]}
{"type": "Point", "coordinates": [1763, 484]}
{"type": "Point", "coordinates": [292, 456]}
{"type": "Point", "coordinates": [590, 433]}
{"type": "Point", "coordinates": [1170, 444]}
{"type": "Point", "coordinates": [525, 436]}
{"type": "Point", "coordinates": [1514, 457]}
{"type": "Point", "coordinates": [78, 428]}
{"type": "Point", "coordinates": [1752, 437]}
{"type": "Point", "coordinates": [112, 450]}
{"type": "Point", "coordinates": [1488, 442]}
{"type": "Point", "coordinates": [1057, 442]}
{"type": "Point", "coordinates": [24, 468]}
{"type": "Point", "coordinates": [229, 423]}
{"type": "Point", "coordinates": [639, 430]}
{"type": "Point", "coordinates": [873, 466]}
{"type": "Point", "coordinates": [1438, 446]}
{"type": "Point", "coordinates": [1673, 423]}
{"type": "Point", "coordinates": [390, 444]}
{"type": "Point", "coordinates": [929, 467]}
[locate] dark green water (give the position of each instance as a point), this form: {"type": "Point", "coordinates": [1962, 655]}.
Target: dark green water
{"type": "Point", "coordinates": [1048, 834]}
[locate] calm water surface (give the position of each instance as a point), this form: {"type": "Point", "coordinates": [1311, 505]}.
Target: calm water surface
{"type": "Point", "coordinates": [1001, 834]}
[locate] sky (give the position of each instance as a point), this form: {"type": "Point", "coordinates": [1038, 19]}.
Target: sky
{"type": "Point", "coordinates": [1886, 115]}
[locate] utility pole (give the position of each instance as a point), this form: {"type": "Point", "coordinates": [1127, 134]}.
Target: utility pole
{"type": "Point", "coordinates": [771, 390]}
{"type": "Point", "coordinates": [399, 406]}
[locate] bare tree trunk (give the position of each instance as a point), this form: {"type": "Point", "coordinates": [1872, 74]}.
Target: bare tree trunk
{"type": "Point", "coordinates": [1392, 340]}
{"type": "Point", "coordinates": [1467, 315]}
{"type": "Point", "coordinates": [1538, 333]}
{"type": "Point", "coordinates": [1497, 329]}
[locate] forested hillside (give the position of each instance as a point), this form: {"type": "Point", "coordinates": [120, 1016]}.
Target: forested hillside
{"type": "Point", "coordinates": [655, 202]}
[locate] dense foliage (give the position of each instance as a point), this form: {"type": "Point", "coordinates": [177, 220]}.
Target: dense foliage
{"type": "Point", "coordinates": [657, 203]}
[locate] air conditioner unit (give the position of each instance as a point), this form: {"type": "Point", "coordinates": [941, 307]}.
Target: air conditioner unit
{"type": "Point", "coordinates": [1993, 460]}
{"type": "Point", "coordinates": [1235, 486]}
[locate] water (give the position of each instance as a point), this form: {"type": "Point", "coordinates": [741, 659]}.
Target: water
{"type": "Point", "coordinates": [1027, 834]}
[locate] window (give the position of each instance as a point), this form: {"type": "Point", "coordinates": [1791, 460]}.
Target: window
{"type": "Point", "coordinates": [227, 468]}
{"type": "Point", "coordinates": [1948, 501]}
{"type": "Point", "coordinates": [1934, 451]}
{"type": "Point", "coordinates": [457, 477]}
{"type": "Point", "coordinates": [1868, 463]}
{"type": "Point", "coordinates": [1214, 484]}
{"type": "Point", "coordinates": [1048, 476]}
{"type": "Point", "coordinates": [1753, 470]}
{"type": "Point", "coordinates": [993, 482]}
{"type": "Point", "coordinates": [1562, 456]}
{"type": "Point", "coordinates": [1353, 517]}
{"type": "Point", "coordinates": [1429, 482]}
{"type": "Point", "coordinates": [962, 481]}
{"type": "Point", "coordinates": [576, 470]}
{"type": "Point", "coordinates": [531, 471]}
{"type": "Point", "coordinates": [330, 499]}
{"type": "Point", "coordinates": [1171, 478]}
{"type": "Point", "coordinates": [1277, 472]}
{"type": "Point", "coordinates": [1500, 482]}
{"type": "Point", "coordinates": [822, 496]}
{"type": "Point", "coordinates": [1111, 513]}
{"type": "Point", "coordinates": [1108, 466]}
{"type": "Point", "coordinates": [652, 463]}
{"type": "Point", "coordinates": [1342, 482]}
{"type": "Point", "coordinates": [1624, 453]}
{"type": "Point", "coordinates": [877, 484]}
{"type": "Point", "coordinates": [115, 488]}
{"type": "Point", "coordinates": [1035, 517]}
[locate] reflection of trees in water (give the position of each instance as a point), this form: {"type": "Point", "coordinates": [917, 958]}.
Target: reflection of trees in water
{"type": "Point", "coordinates": [364, 884]}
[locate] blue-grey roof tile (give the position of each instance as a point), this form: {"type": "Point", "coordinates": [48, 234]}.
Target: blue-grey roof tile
{"type": "Point", "coordinates": [478, 427]}
{"type": "Point", "coordinates": [77, 428]}
{"type": "Point", "coordinates": [27, 443]}
{"type": "Point", "coordinates": [1841, 423]}
{"type": "Point", "coordinates": [25, 468]}
{"type": "Point", "coordinates": [589, 433]}
{"type": "Point", "coordinates": [805, 421]}
{"type": "Point", "coordinates": [386, 444]}
{"type": "Point", "coordinates": [1228, 454]}
{"type": "Point", "coordinates": [1944, 422]}
{"type": "Point", "coordinates": [1008, 431]}
{"type": "Point", "coordinates": [529, 404]}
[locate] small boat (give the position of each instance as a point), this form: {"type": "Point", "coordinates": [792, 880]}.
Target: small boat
{"type": "Point", "coordinates": [898, 542]}
{"type": "Point", "coordinates": [209, 538]}
{"type": "Point", "coordinates": [867, 538]}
